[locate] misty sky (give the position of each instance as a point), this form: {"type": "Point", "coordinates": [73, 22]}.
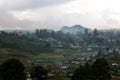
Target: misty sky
{"type": "Point", "coordinates": [53, 14]}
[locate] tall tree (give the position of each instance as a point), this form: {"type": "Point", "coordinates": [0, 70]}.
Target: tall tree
{"type": "Point", "coordinates": [37, 32]}
{"type": "Point", "coordinates": [86, 32]}
{"type": "Point", "coordinates": [95, 32]}
{"type": "Point", "coordinates": [83, 73]}
{"type": "Point", "coordinates": [101, 69]}
{"type": "Point", "coordinates": [100, 54]}
{"type": "Point", "coordinates": [12, 69]}
{"type": "Point", "coordinates": [39, 72]}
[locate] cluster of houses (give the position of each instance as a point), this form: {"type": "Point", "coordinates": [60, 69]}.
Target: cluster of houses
{"type": "Point", "coordinates": [81, 60]}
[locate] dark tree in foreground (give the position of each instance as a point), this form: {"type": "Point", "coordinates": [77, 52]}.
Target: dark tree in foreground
{"type": "Point", "coordinates": [39, 73]}
{"type": "Point", "coordinates": [83, 73]}
{"type": "Point", "coordinates": [101, 69]}
{"type": "Point", "coordinates": [12, 69]}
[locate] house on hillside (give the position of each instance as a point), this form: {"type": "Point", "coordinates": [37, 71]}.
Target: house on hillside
{"type": "Point", "coordinates": [75, 62]}
{"type": "Point", "coordinates": [19, 33]}
{"type": "Point", "coordinates": [65, 66]}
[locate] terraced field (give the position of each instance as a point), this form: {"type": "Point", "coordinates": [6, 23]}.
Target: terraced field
{"type": "Point", "coordinates": [59, 56]}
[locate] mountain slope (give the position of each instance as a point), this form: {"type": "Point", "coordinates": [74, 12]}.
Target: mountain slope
{"type": "Point", "coordinates": [74, 29]}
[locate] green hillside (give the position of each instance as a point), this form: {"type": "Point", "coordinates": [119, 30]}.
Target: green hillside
{"type": "Point", "coordinates": [23, 43]}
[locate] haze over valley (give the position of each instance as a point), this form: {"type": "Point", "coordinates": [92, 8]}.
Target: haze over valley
{"type": "Point", "coordinates": [59, 39]}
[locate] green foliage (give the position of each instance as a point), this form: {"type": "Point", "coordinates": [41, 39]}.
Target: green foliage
{"type": "Point", "coordinates": [83, 73]}
{"type": "Point", "coordinates": [101, 69]}
{"type": "Point", "coordinates": [12, 69]}
{"type": "Point", "coordinates": [23, 43]}
{"type": "Point", "coordinates": [100, 54]}
{"type": "Point", "coordinates": [60, 36]}
{"type": "Point", "coordinates": [39, 72]}
{"type": "Point", "coordinates": [59, 74]}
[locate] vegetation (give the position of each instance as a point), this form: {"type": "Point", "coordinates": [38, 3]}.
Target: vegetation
{"type": "Point", "coordinates": [38, 72]}
{"type": "Point", "coordinates": [99, 70]}
{"type": "Point", "coordinates": [12, 69]}
{"type": "Point", "coordinates": [22, 43]}
{"type": "Point", "coordinates": [84, 73]}
{"type": "Point", "coordinates": [56, 47]}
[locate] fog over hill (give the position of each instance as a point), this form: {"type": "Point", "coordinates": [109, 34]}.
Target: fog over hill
{"type": "Point", "coordinates": [77, 28]}
{"type": "Point", "coordinates": [74, 29]}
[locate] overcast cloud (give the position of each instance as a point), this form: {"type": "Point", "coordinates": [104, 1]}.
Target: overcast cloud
{"type": "Point", "coordinates": [53, 14]}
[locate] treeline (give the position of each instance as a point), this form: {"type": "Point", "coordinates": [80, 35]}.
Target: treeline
{"type": "Point", "coordinates": [13, 69]}
{"type": "Point", "coordinates": [23, 43]}
{"type": "Point", "coordinates": [58, 35]}
{"type": "Point", "coordinates": [36, 42]}
{"type": "Point", "coordinates": [89, 36]}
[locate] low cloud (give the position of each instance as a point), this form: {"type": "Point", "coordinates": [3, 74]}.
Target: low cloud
{"type": "Point", "coordinates": [53, 14]}
{"type": "Point", "coordinates": [8, 21]}
{"type": "Point", "coordinates": [31, 4]}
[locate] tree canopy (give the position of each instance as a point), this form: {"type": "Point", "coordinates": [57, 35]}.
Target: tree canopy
{"type": "Point", "coordinates": [39, 72]}
{"type": "Point", "coordinates": [83, 73]}
{"type": "Point", "coordinates": [99, 70]}
{"type": "Point", "coordinates": [12, 69]}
